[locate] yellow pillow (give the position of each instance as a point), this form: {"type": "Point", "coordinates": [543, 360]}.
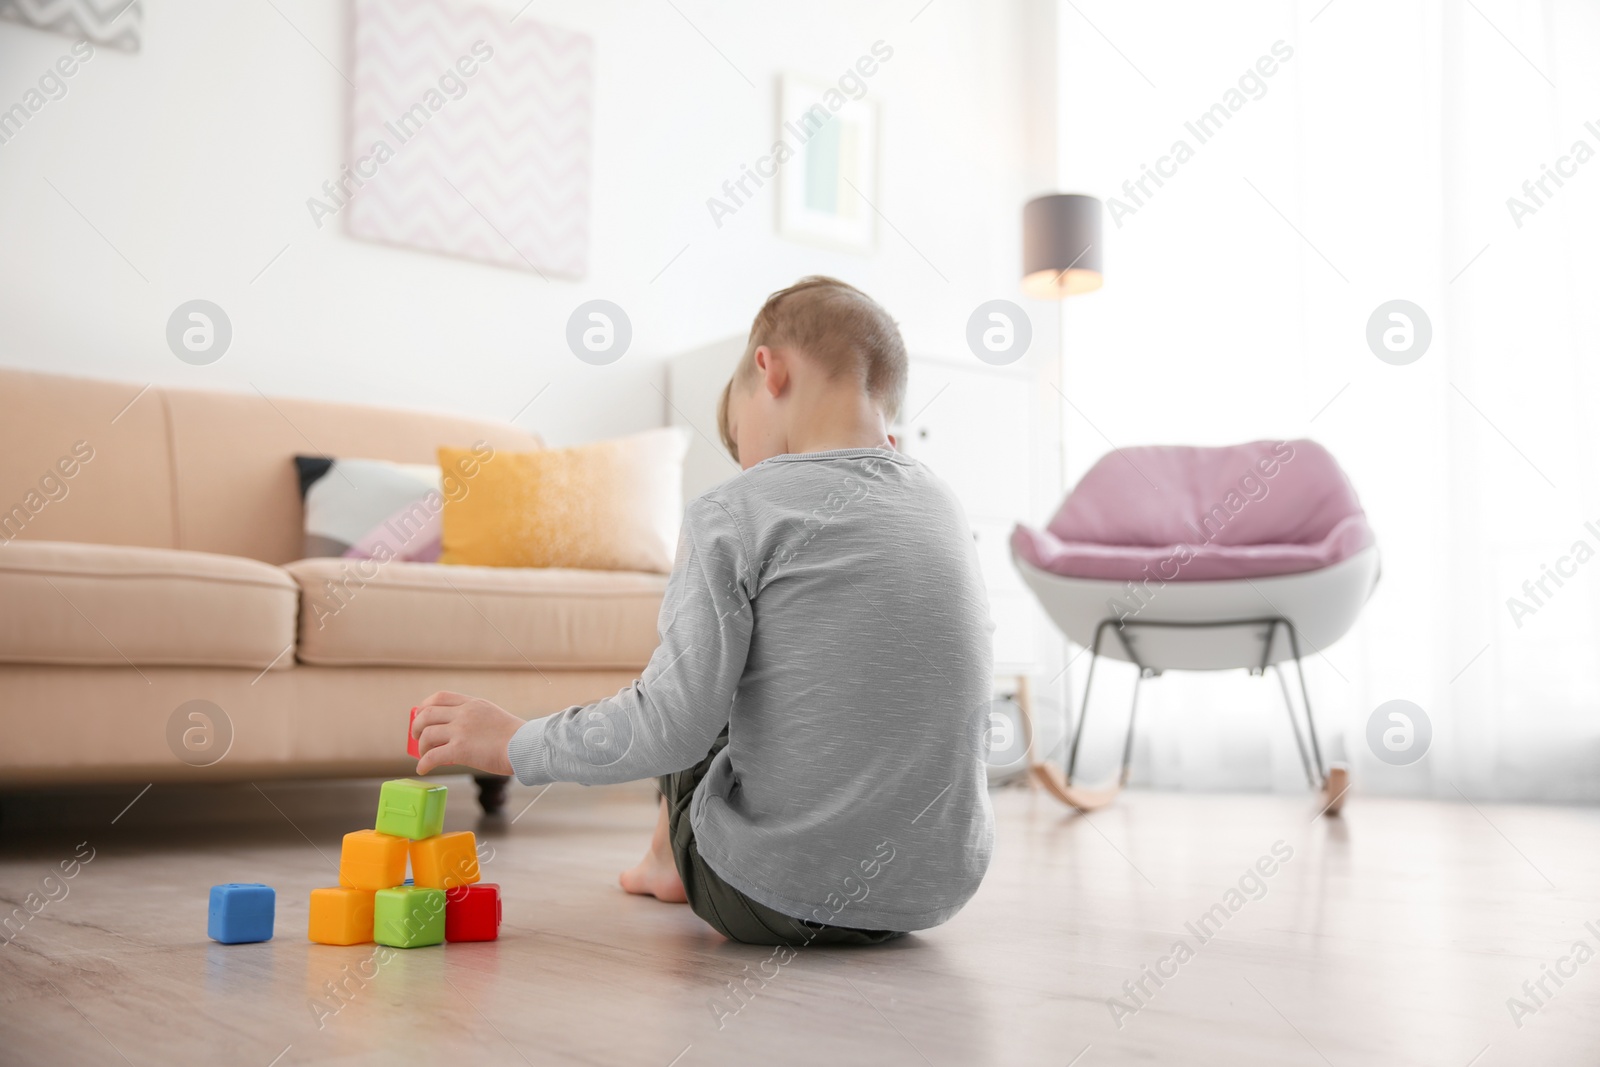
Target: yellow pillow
{"type": "Point", "coordinates": [611, 506]}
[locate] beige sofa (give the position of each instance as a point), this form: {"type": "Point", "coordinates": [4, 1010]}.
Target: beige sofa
{"type": "Point", "coordinates": [149, 543]}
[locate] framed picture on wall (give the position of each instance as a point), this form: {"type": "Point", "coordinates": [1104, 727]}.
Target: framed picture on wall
{"type": "Point", "coordinates": [827, 187]}
{"type": "Point", "coordinates": [490, 160]}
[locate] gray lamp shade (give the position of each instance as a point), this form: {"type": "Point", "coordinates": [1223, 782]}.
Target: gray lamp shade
{"type": "Point", "coordinates": [1061, 249]}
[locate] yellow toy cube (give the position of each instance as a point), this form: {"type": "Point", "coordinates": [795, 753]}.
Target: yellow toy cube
{"type": "Point", "coordinates": [445, 861]}
{"type": "Point", "coordinates": [341, 915]}
{"type": "Point", "coordinates": [370, 860]}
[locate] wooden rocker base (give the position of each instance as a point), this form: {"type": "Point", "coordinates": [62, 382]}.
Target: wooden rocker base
{"type": "Point", "coordinates": [1049, 775]}
{"type": "Point", "coordinates": [1055, 783]}
{"type": "Point", "coordinates": [1332, 793]}
{"type": "Point", "coordinates": [1335, 789]}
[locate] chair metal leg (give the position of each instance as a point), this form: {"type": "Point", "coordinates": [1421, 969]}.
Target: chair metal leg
{"type": "Point", "coordinates": [1316, 770]}
{"type": "Point", "coordinates": [1083, 709]}
{"type": "Point", "coordinates": [1127, 745]}
{"type": "Point", "coordinates": [1305, 697]}
{"type": "Point", "coordinates": [1294, 723]}
{"type": "Point", "coordinates": [1083, 712]}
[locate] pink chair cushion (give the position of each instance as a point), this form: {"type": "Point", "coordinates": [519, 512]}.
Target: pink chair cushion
{"type": "Point", "coordinates": [1202, 514]}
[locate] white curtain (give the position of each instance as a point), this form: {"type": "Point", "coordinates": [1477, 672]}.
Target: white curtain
{"type": "Point", "coordinates": [1374, 163]}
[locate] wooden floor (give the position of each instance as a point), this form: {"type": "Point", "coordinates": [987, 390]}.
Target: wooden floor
{"type": "Point", "coordinates": [1392, 936]}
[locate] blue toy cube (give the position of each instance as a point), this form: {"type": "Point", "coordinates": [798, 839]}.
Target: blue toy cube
{"type": "Point", "coordinates": [241, 912]}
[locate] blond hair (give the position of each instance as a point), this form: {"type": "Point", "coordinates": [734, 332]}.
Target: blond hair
{"type": "Point", "coordinates": [836, 326]}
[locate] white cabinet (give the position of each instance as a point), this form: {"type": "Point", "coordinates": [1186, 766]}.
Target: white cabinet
{"type": "Point", "coordinates": [975, 427]}
{"type": "Point", "coordinates": [694, 387]}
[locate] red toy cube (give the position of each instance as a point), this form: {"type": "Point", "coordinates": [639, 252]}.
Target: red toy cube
{"type": "Point", "coordinates": [472, 912]}
{"type": "Point", "coordinates": [411, 741]}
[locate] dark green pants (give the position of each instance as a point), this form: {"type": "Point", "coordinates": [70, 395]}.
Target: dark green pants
{"type": "Point", "coordinates": [729, 911]}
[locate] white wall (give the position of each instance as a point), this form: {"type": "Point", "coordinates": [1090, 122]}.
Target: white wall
{"type": "Point", "coordinates": [194, 158]}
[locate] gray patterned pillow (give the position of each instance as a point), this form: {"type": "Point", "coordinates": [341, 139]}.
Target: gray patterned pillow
{"type": "Point", "coordinates": [347, 498]}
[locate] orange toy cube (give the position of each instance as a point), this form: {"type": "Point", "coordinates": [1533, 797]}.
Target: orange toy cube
{"type": "Point", "coordinates": [341, 915]}
{"type": "Point", "coordinates": [370, 860]}
{"type": "Point", "coordinates": [445, 861]}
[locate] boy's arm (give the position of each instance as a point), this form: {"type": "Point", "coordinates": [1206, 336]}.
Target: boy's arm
{"type": "Point", "coordinates": [668, 719]}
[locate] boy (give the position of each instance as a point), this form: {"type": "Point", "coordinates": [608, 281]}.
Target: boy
{"type": "Point", "coordinates": [817, 704]}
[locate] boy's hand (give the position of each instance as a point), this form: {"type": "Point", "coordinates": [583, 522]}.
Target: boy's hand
{"type": "Point", "coordinates": [453, 729]}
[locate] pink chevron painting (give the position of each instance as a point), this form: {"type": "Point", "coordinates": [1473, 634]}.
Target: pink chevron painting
{"type": "Point", "coordinates": [470, 135]}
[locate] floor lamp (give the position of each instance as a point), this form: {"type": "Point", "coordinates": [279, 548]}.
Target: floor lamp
{"type": "Point", "coordinates": [1061, 257]}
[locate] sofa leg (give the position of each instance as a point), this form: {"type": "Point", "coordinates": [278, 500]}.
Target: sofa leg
{"type": "Point", "coordinates": [492, 793]}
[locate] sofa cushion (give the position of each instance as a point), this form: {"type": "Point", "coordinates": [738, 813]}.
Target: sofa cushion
{"type": "Point", "coordinates": [373, 613]}
{"type": "Point", "coordinates": [84, 461]}
{"type": "Point", "coordinates": [108, 605]}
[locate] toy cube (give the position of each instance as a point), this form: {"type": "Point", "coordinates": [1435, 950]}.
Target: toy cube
{"type": "Point", "coordinates": [410, 808]}
{"type": "Point", "coordinates": [341, 915]}
{"type": "Point", "coordinates": [445, 861]}
{"type": "Point", "coordinates": [472, 913]}
{"type": "Point", "coordinates": [408, 918]}
{"type": "Point", "coordinates": [370, 860]}
{"type": "Point", "coordinates": [241, 912]}
{"type": "Point", "coordinates": [411, 741]}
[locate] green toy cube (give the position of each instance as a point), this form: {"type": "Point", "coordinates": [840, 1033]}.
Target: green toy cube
{"type": "Point", "coordinates": [406, 917]}
{"type": "Point", "coordinates": [409, 808]}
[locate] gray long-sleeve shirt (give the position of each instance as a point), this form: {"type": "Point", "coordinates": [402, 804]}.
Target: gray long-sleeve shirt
{"type": "Point", "coordinates": [827, 609]}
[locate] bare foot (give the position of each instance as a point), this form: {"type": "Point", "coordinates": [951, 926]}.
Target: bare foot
{"type": "Point", "coordinates": [652, 878]}
{"type": "Point", "coordinates": [656, 875]}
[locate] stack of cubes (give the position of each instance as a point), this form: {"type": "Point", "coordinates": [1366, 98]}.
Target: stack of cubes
{"type": "Point", "coordinates": [443, 900]}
